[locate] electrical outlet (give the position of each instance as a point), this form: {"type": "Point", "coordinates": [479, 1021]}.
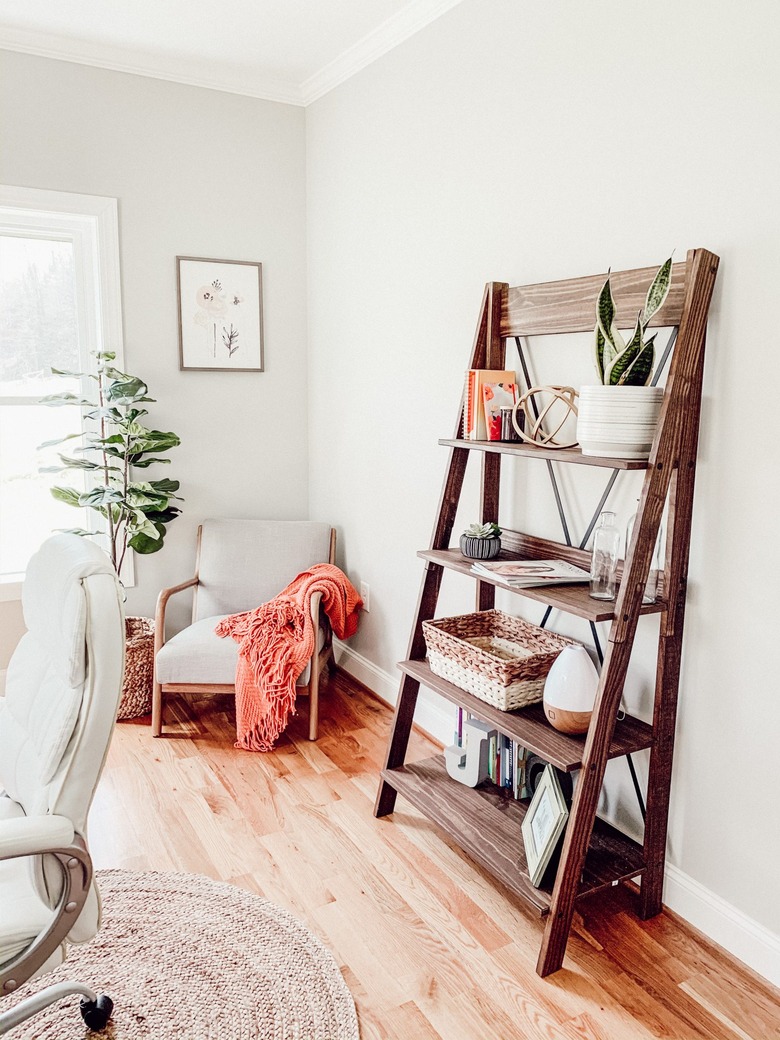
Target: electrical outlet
{"type": "Point", "coordinates": [365, 595]}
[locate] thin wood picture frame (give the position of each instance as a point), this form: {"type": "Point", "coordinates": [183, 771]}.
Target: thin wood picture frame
{"type": "Point", "coordinates": [543, 824]}
{"type": "Point", "coordinates": [220, 314]}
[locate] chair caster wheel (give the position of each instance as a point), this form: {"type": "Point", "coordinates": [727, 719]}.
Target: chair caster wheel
{"type": "Point", "coordinates": [96, 1013]}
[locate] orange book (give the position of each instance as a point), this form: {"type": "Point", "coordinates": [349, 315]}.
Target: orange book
{"type": "Point", "coordinates": [474, 426]}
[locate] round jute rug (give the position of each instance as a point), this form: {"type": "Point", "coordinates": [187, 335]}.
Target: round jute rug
{"type": "Point", "coordinates": [187, 958]}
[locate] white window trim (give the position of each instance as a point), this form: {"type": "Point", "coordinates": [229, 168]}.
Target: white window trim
{"type": "Point", "coordinates": [90, 221]}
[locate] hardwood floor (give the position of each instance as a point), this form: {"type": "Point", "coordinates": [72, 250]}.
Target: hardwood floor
{"type": "Point", "coordinates": [431, 948]}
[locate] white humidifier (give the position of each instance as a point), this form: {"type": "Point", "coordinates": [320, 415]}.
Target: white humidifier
{"type": "Point", "coordinates": [570, 690]}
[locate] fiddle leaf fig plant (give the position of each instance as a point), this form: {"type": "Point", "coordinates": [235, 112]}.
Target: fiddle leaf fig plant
{"type": "Point", "coordinates": [628, 364]}
{"type": "Point", "coordinates": [135, 512]}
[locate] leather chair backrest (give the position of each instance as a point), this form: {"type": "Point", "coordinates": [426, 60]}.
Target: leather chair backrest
{"type": "Point", "coordinates": [62, 689]}
{"type": "Point", "coordinates": [244, 563]}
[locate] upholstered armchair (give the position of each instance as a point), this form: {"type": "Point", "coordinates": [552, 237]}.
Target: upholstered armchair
{"type": "Point", "coordinates": [56, 720]}
{"type": "Point", "coordinates": [240, 564]}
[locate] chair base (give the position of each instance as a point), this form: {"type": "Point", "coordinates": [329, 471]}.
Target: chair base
{"type": "Point", "coordinates": [319, 664]}
{"type": "Point", "coordinates": [95, 1010]}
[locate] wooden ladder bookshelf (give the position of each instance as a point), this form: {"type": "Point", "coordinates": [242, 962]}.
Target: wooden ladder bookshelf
{"type": "Point", "coordinates": [485, 821]}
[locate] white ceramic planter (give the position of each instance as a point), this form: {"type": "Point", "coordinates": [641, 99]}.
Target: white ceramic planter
{"type": "Point", "coordinates": [618, 421]}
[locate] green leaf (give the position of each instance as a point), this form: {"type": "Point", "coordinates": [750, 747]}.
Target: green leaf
{"type": "Point", "coordinates": [622, 361]}
{"type": "Point", "coordinates": [605, 310]}
{"type": "Point", "coordinates": [59, 440]}
{"type": "Point", "coordinates": [658, 291]}
{"type": "Point", "coordinates": [145, 463]}
{"type": "Point", "coordinates": [598, 344]}
{"type": "Point", "coordinates": [105, 355]}
{"type": "Point", "coordinates": [99, 496]}
{"type": "Point", "coordinates": [165, 486]}
{"type": "Point", "coordinates": [67, 372]}
{"type": "Point", "coordinates": [145, 544]}
{"type": "Point", "coordinates": [60, 399]}
{"type": "Point", "coordinates": [638, 374]}
{"type": "Point", "coordinates": [142, 439]}
{"type": "Point", "coordinates": [129, 389]}
{"type": "Point", "coordinates": [68, 495]}
{"type": "Point", "coordinates": [79, 531]}
{"type": "Point", "coordinates": [71, 463]}
{"type": "Point", "coordinates": [164, 516]}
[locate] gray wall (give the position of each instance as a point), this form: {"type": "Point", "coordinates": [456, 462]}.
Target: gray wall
{"type": "Point", "coordinates": [526, 142]}
{"type": "Point", "coordinates": [197, 173]}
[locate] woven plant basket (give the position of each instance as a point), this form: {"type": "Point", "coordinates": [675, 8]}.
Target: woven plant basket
{"type": "Point", "coordinates": [136, 696]}
{"type": "Point", "coordinates": [501, 659]}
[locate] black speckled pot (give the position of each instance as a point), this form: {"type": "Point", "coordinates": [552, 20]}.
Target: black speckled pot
{"type": "Point", "coordinates": [480, 548]}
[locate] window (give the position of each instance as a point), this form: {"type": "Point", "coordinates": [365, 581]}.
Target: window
{"type": "Point", "coordinates": [59, 302]}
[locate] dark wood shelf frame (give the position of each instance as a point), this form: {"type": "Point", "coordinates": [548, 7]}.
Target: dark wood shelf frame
{"type": "Point", "coordinates": [485, 823]}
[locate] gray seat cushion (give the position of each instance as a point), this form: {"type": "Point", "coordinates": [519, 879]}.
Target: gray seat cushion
{"type": "Point", "coordinates": [198, 655]}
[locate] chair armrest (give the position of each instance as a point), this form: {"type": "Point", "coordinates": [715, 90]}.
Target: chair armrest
{"type": "Point", "coordinates": [31, 835]}
{"type": "Point", "coordinates": [320, 619]}
{"type": "Point", "coordinates": [162, 603]}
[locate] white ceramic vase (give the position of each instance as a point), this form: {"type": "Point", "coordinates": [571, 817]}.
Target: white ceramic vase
{"type": "Point", "coordinates": [570, 690]}
{"type": "Point", "coordinates": [618, 421]}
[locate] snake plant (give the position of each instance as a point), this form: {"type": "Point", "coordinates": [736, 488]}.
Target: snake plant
{"type": "Point", "coordinates": [628, 364]}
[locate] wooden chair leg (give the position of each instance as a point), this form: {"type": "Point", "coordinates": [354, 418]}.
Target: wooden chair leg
{"type": "Point", "coordinates": [157, 709]}
{"type": "Point", "coordinates": [314, 696]}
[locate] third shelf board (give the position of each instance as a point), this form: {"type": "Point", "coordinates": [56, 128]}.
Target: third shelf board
{"type": "Point", "coordinates": [529, 727]}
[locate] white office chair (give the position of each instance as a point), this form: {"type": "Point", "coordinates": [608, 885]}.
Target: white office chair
{"type": "Point", "coordinates": [240, 564]}
{"type": "Point", "coordinates": [56, 720]}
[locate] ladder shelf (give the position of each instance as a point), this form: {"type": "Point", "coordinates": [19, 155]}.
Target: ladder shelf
{"type": "Point", "coordinates": [484, 822]}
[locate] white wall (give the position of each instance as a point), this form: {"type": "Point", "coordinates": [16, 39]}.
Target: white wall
{"type": "Point", "coordinates": [524, 142]}
{"type": "Point", "coordinates": [197, 173]}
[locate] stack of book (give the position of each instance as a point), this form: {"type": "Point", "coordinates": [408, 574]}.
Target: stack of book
{"type": "Point", "coordinates": [527, 574]}
{"type": "Point", "coordinates": [486, 391]}
{"type": "Point", "coordinates": [507, 760]}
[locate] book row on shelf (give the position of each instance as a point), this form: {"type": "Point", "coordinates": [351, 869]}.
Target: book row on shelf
{"type": "Point", "coordinates": [509, 765]}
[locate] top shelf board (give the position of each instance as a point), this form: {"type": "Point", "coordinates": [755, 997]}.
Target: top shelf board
{"type": "Point", "coordinates": [553, 454]}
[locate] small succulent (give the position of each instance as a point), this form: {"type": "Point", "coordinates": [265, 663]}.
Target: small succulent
{"type": "Point", "coordinates": [482, 531]}
{"type": "Point", "coordinates": [628, 364]}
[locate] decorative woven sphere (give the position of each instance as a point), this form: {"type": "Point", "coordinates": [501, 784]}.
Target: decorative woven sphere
{"type": "Point", "coordinates": [545, 416]}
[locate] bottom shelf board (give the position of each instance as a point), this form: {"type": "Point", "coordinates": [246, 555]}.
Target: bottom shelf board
{"type": "Point", "coordinates": [485, 822]}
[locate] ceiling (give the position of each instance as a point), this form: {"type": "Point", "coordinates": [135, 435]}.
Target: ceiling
{"type": "Point", "coordinates": [282, 50]}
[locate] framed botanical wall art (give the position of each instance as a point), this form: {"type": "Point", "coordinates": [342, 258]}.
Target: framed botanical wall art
{"type": "Point", "coordinates": [220, 314]}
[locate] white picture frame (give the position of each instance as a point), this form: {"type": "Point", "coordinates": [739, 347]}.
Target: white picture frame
{"type": "Point", "coordinates": [543, 825]}
{"type": "Point", "coordinates": [220, 305]}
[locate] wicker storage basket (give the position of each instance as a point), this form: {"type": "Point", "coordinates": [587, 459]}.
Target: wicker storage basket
{"type": "Point", "coordinates": [501, 659]}
{"type": "Point", "coordinates": [136, 696]}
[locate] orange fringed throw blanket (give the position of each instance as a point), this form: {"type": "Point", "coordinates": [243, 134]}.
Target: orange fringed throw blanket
{"type": "Point", "coordinates": [275, 643]}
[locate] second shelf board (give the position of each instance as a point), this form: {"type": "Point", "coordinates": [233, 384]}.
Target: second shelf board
{"type": "Point", "coordinates": [485, 822]}
{"type": "Point", "coordinates": [574, 599]}
{"type": "Point", "coordinates": [529, 727]}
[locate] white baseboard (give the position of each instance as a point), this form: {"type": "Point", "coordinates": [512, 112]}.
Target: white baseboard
{"type": "Point", "coordinates": [434, 716]}
{"type": "Point", "coordinates": [729, 927]}
{"type": "Point", "coordinates": [721, 922]}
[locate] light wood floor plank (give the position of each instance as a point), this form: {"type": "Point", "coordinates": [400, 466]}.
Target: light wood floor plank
{"type": "Point", "coordinates": [431, 947]}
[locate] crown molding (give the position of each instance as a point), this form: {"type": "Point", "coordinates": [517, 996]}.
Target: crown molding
{"type": "Point", "coordinates": [177, 70]}
{"type": "Point", "coordinates": [222, 76]}
{"type": "Point", "coordinates": [384, 38]}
